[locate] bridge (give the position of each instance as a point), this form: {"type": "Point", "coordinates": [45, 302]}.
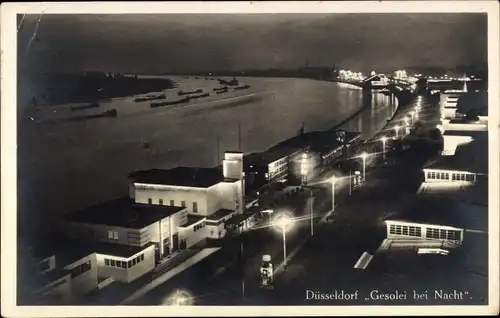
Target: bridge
{"type": "Point", "coordinates": [378, 81]}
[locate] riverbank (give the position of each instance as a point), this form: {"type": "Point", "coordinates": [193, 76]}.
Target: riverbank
{"type": "Point", "coordinates": [59, 89]}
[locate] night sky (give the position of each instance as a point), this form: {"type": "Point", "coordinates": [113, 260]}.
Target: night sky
{"type": "Point", "coordinates": [177, 43]}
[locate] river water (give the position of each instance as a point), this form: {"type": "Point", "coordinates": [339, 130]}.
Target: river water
{"type": "Point", "coordinates": [68, 165]}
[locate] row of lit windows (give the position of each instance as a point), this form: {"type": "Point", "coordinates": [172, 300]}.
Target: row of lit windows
{"type": "Point", "coordinates": [123, 264]}
{"type": "Point", "coordinates": [442, 234]}
{"type": "Point", "coordinates": [454, 176]}
{"type": "Point", "coordinates": [172, 203]}
{"type": "Point", "coordinates": [80, 269]}
{"type": "Point", "coordinates": [405, 230]}
{"type": "Point", "coordinates": [462, 177]}
{"type": "Point", "coordinates": [279, 162]}
{"type": "Point", "coordinates": [439, 175]}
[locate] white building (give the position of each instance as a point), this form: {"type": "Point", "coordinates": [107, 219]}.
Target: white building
{"type": "Point", "coordinates": [464, 154]}
{"type": "Point", "coordinates": [59, 275]}
{"type": "Point", "coordinates": [452, 200]}
{"type": "Point", "coordinates": [210, 195]}
{"type": "Point", "coordinates": [134, 236]}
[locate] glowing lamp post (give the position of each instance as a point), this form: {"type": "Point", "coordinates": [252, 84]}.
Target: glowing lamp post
{"type": "Point", "coordinates": [304, 168]}
{"type": "Point", "coordinates": [363, 156]}
{"type": "Point", "coordinates": [283, 223]}
{"type": "Point", "coordinates": [332, 180]}
{"type": "Point", "coordinates": [396, 129]}
{"type": "Point", "coordinates": [383, 140]}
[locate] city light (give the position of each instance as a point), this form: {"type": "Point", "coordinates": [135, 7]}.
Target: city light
{"type": "Point", "coordinates": [304, 168]}
{"type": "Point", "coordinates": [363, 156]}
{"type": "Point", "coordinates": [396, 129]}
{"type": "Point", "coordinates": [283, 223]}
{"type": "Point", "coordinates": [333, 180]}
{"type": "Point", "coordinates": [180, 298]}
{"type": "Point", "coordinates": [383, 139]}
{"type": "Point", "coordinates": [348, 75]}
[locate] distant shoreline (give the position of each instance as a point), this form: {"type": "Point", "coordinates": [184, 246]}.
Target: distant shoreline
{"type": "Point", "coordinates": [53, 90]}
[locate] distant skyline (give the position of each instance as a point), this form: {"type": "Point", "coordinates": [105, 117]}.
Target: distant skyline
{"type": "Point", "coordinates": [190, 43]}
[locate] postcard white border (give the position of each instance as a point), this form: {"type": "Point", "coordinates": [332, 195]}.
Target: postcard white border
{"type": "Point", "coordinates": [9, 156]}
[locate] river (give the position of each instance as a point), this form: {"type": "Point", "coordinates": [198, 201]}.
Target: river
{"type": "Point", "coordinates": [66, 166]}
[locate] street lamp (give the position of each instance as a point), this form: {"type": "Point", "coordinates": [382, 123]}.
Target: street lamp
{"type": "Point", "coordinates": [180, 298]}
{"type": "Point", "coordinates": [396, 128]}
{"type": "Point", "coordinates": [333, 179]}
{"type": "Point", "coordinates": [283, 223]}
{"type": "Point", "coordinates": [383, 139]}
{"type": "Point", "coordinates": [304, 168]}
{"type": "Point", "coordinates": [363, 156]}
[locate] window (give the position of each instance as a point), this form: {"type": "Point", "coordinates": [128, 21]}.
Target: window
{"type": "Point", "coordinates": [432, 233]}
{"type": "Point", "coordinates": [134, 261]}
{"type": "Point", "coordinates": [113, 235]}
{"type": "Point", "coordinates": [172, 203]}
{"type": "Point", "coordinates": [470, 177]}
{"type": "Point", "coordinates": [112, 262]}
{"type": "Point", "coordinates": [124, 264]}
{"type": "Point", "coordinates": [44, 265]}
{"type": "Point", "coordinates": [405, 230]}
{"type": "Point", "coordinates": [106, 262]}
{"type": "Point", "coordinates": [129, 264]}
{"type": "Point", "coordinates": [150, 201]}
{"type": "Point", "coordinates": [183, 204]}
{"type": "Point", "coordinates": [160, 201]}
{"type": "Point", "coordinates": [415, 231]}
{"type": "Point", "coordinates": [142, 257]}
{"type": "Point", "coordinates": [80, 269]}
{"type": "Point", "coordinates": [195, 207]}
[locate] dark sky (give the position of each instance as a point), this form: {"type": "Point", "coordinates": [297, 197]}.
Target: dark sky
{"type": "Point", "coordinates": [163, 43]}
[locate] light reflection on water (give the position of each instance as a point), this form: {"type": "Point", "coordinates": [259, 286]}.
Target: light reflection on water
{"type": "Point", "coordinates": [66, 166]}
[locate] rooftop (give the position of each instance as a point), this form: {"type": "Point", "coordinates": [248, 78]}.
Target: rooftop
{"type": "Point", "coordinates": [472, 156]}
{"type": "Point", "coordinates": [65, 250]}
{"type": "Point", "coordinates": [179, 176]}
{"type": "Point", "coordinates": [444, 209]}
{"type": "Point", "coordinates": [123, 212]}
{"type": "Point", "coordinates": [219, 214]}
{"type": "Point", "coordinates": [118, 250]}
{"type": "Point", "coordinates": [193, 219]}
{"type": "Point", "coordinates": [271, 155]}
{"type": "Point", "coordinates": [317, 140]}
{"type": "Point", "coordinates": [237, 219]}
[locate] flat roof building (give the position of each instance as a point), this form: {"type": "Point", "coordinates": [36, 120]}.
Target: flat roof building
{"type": "Point", "coordinates": [124, 233]}
{"type": "Point", "coordinates": [201, 191]}
{"type": "Point", "coordinates": [179, 176]}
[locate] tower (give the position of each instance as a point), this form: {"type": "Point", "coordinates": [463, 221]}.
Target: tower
{"type": "Point", "coordinates": [232, 167]}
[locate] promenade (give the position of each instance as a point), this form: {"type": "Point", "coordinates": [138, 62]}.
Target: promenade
{"type": "Point", "coordinates": [356, 227]}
